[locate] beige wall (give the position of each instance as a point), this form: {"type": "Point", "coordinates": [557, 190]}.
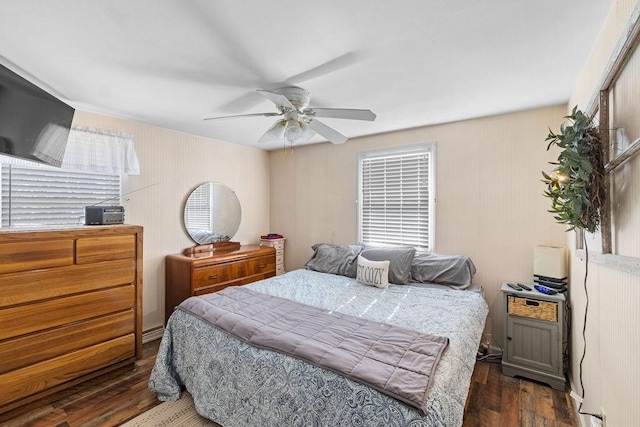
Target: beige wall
{"type": "Point", "coordinates": [489, 194]}
{"type": "Point", "coordinates": [173, 163]}
{"type": "Point", "coordinates": [611, 372]}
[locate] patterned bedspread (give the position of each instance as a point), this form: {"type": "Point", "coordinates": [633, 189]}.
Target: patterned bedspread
{"type": "Point", "coordinates": [236, 384]}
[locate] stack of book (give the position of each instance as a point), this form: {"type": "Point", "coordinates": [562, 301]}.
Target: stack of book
{"type": "Point", "coordinates": [559, 285]}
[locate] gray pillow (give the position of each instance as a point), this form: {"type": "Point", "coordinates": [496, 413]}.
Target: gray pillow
{"type": "Point", "coordinates": [452, 270]}
{"type": "Point", "coordinates": [334, 259]}
{"type": "Point", "coordinates": [399, 257]}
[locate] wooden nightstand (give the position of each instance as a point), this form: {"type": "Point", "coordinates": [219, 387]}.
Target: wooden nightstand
{"type": "Point", "coordinates": [534, 331]}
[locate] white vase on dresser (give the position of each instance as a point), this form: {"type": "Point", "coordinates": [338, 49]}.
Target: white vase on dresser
{"type": "Point", "coordinates": [278, 245]}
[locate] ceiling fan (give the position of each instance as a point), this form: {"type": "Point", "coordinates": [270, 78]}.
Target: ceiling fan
{"type": "Point", "coordinates": [299, 121]}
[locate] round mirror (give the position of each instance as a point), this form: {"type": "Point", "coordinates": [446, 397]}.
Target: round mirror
{"type": "Point", "coordinates": [212, 213]}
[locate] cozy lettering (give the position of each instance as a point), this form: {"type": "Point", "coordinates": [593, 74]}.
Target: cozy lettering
{"type": "Point", "coordinates": [371, 275]}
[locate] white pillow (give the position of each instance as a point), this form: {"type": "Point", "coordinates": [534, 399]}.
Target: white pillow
{"type": "Point", "coordinates": [373, 273]}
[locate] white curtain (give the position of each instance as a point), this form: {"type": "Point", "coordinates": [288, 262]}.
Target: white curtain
{"type": "Point", "coordinates": [96, 150]}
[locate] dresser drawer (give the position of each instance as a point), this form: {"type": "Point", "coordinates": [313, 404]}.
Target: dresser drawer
{"type": "Point", "coordinates": [231, 271]}
{"type": "Point", "coordinates": [238, 282]}
{"type": "Point", "coordinates": [34, 348]}
{"type": "Point", "coordinates": [41, 376]}
{"type": "Point", "coordinates": [26, 256]}
{"type": "Point", "coordinates": [24, 319]}
{"type": "Point", "coordinates": [262, 265]}
{"type": "Point", "coordinates": [212, 275]}
{"type": "Point", "coordinates": [20, 288]}
{"type": "Point", "coordinates": [94, 249]}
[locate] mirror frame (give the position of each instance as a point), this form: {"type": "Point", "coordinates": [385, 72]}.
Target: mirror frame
{"type": "Point", "coordinates": [219, 206]}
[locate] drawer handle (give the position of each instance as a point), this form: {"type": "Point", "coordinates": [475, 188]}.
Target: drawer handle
{"type": "Point", "coordinates": [533, 303]}
{"type": "Point", "coordinates": [509, 338]}
{"type": "Point", "coordinates": [262, 265]}
{"type": "Point", "coordinates": [213, 276]}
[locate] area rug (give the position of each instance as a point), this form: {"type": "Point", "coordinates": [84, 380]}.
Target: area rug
{"type": "Point", "coordinates": [180, 413]}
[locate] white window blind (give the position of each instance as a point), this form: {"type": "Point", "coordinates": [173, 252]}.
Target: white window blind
{"type": "Point", "coordinates": [396, 197]}
{"type": "Point", "coordinates": [42, 195]}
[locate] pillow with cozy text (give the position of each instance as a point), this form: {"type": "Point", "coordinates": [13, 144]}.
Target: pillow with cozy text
{"type": "Point", "coordinates": [373, 273]}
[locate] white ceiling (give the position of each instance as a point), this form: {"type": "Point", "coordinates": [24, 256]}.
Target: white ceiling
{"type": "Point", "coordinates": [172, 63]}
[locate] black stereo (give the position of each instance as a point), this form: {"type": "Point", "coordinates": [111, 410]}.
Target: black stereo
{"type": "Point", "coordinates": [103, 215]}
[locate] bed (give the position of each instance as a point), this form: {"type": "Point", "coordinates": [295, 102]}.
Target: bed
{"type": "Point", "coordinates": [236, 384]}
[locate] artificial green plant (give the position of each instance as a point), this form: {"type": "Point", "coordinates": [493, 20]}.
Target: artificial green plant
{"type": "Point", "coordinates": [576, 185]}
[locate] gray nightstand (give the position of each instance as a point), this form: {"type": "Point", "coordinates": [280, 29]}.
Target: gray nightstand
{"type": "Point", "coordinates": [534, 335]}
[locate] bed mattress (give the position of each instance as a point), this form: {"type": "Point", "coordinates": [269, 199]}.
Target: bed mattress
{"type": "Point", "coordinates": [236, 384]}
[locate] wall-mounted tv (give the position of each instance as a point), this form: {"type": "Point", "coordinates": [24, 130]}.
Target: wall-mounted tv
{"type": "Point", "coordinates": [34, 124]}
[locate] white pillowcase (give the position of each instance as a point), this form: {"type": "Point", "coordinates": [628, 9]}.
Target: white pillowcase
{"type": "Point", "coordinates": [373, 273]}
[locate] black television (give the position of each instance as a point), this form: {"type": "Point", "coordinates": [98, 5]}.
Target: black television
{"type": "Point", "coordinates": [34, 124]}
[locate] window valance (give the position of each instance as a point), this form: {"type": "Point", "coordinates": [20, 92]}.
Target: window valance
{"type": "Point", "coordinates": [96, 150]}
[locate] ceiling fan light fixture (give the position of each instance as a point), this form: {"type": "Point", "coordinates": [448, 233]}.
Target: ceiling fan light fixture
{"type": "Point", "coordinates": [307, 132]}
{"type": "Point", "coordinates": [292, 131]}
{"type": "Point", "coordinates": [299, 123]}
{"type": "Point", "coordinates": [275, 132]}
{"type": "Point", "coordinates": [297, 131]}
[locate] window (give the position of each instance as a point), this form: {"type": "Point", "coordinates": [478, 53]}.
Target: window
{"type": "Point", "coordinates": [396, 194]}
{"type": "Point", "coordinates": [35, 194]}
{"type": "Point", "coordinates": [42, 195]}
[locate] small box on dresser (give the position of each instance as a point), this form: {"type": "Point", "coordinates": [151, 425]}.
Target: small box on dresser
{"type": "Point", "coordinates": [70, 308]}
{"type": "Point", "coordinates": [534, 334]}
{"type": "Point", "coordinates": [278, 245]}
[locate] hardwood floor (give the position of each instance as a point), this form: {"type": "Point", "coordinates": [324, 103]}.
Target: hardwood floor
{"type": "Point", "coordinates": [494, 400]}
{"type": "Point", "coordinates": [102, 402]}
{"type": "Point", "coordinates": [498, 400]}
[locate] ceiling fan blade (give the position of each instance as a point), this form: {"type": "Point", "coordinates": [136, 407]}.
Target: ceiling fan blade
{"type": "Point", "coordinates": [224, 36]}
{"type": "Point", "coordinates": [280, 100]}
{"type": "Point", "coordinates": [244, 115]}
{"type": "Point", "coordinates": [325, 68]}
{"type": "Point", "coordinates": [245, 102]}
{"type": "Point", "coordinates": [344, 113]}
{"type": "Point", "coordinates": [331, 134]}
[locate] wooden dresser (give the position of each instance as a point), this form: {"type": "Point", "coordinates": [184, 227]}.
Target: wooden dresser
{"type": "Point", "coordinates": [205, 272]}
{"type": "Point", "coordinates": [70, 308]}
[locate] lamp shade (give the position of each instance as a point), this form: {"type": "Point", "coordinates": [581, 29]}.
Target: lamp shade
{"type": "Point", "coordinates": [297, 131]}
{"type": "Point", "coordinates": [292, 131]}
{"type": "Point", "coordinates": [550, 261]}
{"type": "Point", "coordinates": [275, 132]}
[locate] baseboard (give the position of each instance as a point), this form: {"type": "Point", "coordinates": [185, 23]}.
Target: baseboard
{"type": "Point", "coordinates": [494, 349]}
{"type": "Point", "coordinates": [577, 400]}
{"type": "Point", "coordinates": [152, 334]}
